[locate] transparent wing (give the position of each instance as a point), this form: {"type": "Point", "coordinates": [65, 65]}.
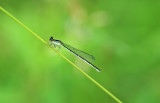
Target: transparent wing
{"type": "Point", "coordinates": [84, 56]}
{"type": "Point", "coordinates": [79, 53]}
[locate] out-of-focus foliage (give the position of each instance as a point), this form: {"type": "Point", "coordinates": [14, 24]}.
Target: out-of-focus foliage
{"type": "Point", "coordinates": [124, 37]}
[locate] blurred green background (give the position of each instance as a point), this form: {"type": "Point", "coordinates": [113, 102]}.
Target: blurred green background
{"type": "Point", "coordinates": [123, 36]}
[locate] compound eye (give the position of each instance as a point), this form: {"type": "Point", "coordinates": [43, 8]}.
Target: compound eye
{"type": "Point", "coordinates": [51, 39]}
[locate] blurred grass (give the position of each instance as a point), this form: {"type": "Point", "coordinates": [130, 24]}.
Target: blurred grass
{"type": "Point", "coordinates": [47, 44]}
{"type": "Point", "coordinates": [122, 35]}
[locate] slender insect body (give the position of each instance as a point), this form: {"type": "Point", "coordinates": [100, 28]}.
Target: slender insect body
{"type": "Point", "coordinates": [75, 51]}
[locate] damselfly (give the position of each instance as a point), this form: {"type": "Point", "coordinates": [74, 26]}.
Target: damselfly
{"type": "Point", "coordinates": [82, 55]}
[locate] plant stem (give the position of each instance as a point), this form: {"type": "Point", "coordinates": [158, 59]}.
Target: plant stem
{"type": "Point", "coordinates": [42, 40]}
